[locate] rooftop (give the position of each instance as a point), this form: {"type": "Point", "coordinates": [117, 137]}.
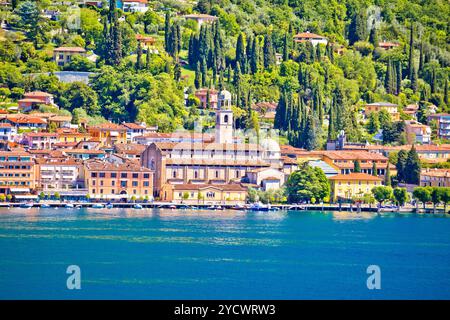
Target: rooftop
{"type": "Point", "coordinates": [356, 176]}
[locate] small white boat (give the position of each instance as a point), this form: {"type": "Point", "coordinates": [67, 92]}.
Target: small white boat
{"type": "Point", "coordinates": [258, 206]}
{"type": "Point", "coordinates": [98, 206]}
{"type": "Point", "coordinates": [26, 205]}
{"type": "Point", "coordinates": [109, 206]}
{"type": "Point", "coordinates": [45, 206]}
{"type": "Point", "coordinates": [238, 207]}
{"type": "Point", "coordinates": [68, 205]}
{"type": "Point", "coordinates": [137, 206]}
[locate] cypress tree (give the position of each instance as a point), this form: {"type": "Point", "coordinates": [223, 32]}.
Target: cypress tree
{"type": "Point", "coordinates": [331, 129]}
{"type": "Point", "coordinates": [414, 80]}
{"type": "Point", "coordinates": [280, 111]}
{"type": "Point", "coordinates": [254, 59]}
{"type": "Point", "coordinates": [387, 176]}
{"type": "Point", "coordinates": [269, 52]}
{"type": "Point", "coordinates": [374, 169]}
{"type": "Point", "coordinates": [318, 53]}
{"type": "Point", "coordinates": [446, 91]}
{"type": "Point", "coordinates": [310, 141]}
{"type": "Point", "coordinates": [177, 72]}
{"type": "Point", "coordinates": [285, 48]}
{"type": "Point", "coordinates": [204, 70]}
{"type": "Point", "coordinates": [358, 27]}
{"type": "Point", "coordinates": [240, 52]}
{"type": "Point", "coordinates": [237, 77]}
{"type": "Point", "coordinates": [413, 167]}
{"type": "Point", "coordinates": [198, 76]}
{"type": "Point", "coordinates": [139, 57]}
{"type": "Point", "coordinates": [356, 166]}
{"type": "Point", "coordinates": [411, 53]}
{"type": "Point", "coordinates": [221, 85]}
{"type": "Point", "coordinates": [388, 80]}
{"type": "Point", "coordinates": [433, 80]}
{"type": "Point", "coordinates": [399, 77]}
{"type": "Point", "coordinates": [373, 36]}
{"type": "Point", "coordinates": [401, 165]}
{"type": "Point", "coordinates": [421, 58]}
{"type": "Point", "coordinates": [166, 31]}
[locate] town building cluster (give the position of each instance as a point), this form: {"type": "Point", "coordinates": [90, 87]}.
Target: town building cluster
{"type": "Point", "coordinates": [46, 154]}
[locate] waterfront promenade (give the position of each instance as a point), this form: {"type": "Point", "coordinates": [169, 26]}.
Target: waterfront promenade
{"type": "Point", "coordinates": [298, 207]}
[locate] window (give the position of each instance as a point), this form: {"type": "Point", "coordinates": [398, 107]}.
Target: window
{"type": "Point", "coordinates": [101, 183]}
{"type": "Point", "coordinates": [217, 173]}
{"type": "Point", "coordinates": [123, 175]}
{"type": "Point", "coordinates": [113, 183]}
{"type": "Point", "coordinates": [134, 183]}
{"type": "Point", "coordinates": [146, 184]}
{"type": "Point", "coordinates": [101, 191]}
{"type": "Point", "coordinates": [93, 190]}
{"type": "Point", "coordinates": [225, 118]}
{"type": "Point", "coordinates": [113, 175]}
{"type": "Point", "coordinates": [123, 184]}
{"type": "Point", "coordinates": [101, 174]}
{"type": "Point", "coordinates": [174, 173]}
{"type": "Point", "coordinates": [195, 174]}
{"type": "Point", "coordinates": [237, 173]}
{"type": "Point", "coordinates": [94, 175]}
{"type": "Point", "coordinates": [135, 175]}
{"type": "Point", "coordinates": [146, 176]}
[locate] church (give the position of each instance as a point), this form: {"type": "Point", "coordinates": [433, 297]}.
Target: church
{"type": "Point", "coordinates": [222, 168]}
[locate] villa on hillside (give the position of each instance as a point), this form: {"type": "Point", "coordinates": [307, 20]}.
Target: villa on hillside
{"type": "Point", "coordinates": [391, 108]}
{"type": "Point", "coordinates": [310, 37]}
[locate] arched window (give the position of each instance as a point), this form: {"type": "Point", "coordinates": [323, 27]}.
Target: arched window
{"type": "Point", "coordinates": [217, 173]}
{"type": "Point", "coordinates": [225, 118]}
{"type": "Point", "coordinates": [174, 173]}
{"type": "Point", "coordinates": [195, 174]}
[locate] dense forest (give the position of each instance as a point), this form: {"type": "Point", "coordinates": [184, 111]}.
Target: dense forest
{"type": "Point", "coordinates": [249, 50]}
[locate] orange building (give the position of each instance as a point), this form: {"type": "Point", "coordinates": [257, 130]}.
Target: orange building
{"type": "Point", "coordinates": [17, 172]}
{"type": "Point", "coordinates": [117, 180]}
{"type": "Point", "coordinates": [391, 108]}
{"type": "Point", "coordinates": [108, 134]}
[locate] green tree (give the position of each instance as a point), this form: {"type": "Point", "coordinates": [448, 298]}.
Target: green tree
{"type": "Point", "coordinates": [382, 193]}
{"type": "Point", "coordinates": [356, 166]}
{"type": "Point", "coordinates": [401, 196]}
{"type": "Point", "coordinates": [307, 183]}
{"type": "Point", "coordinates": [422, 194]}
{"type": "Point", "coordinates": [412, 167]}
{"type": "Point", "coordinates": [387, 176]}
{"type": "Point", "coordinates": [29, 20]}
{"type": "Point", "coordinates": [401, 165]}
{"type": "Point", "coordinates": [374, 124]}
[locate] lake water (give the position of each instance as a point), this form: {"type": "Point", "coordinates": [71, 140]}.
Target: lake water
{"type": "Point", "coordinates": [182, 254]}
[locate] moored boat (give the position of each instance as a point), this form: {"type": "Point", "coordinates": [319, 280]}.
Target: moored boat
{"type": "Point", "coordinates": [45, 205]}
{"type": "Point", "coordinates": [137, 206]}
{"type": "Point", "coordinates": [26, 205]}
{"type": "Point", "coordinates": [68, 205]}
{"type": "Point", "coordinates": [98, 206]}
{"type": "Point", "coordinates": [258, 206]}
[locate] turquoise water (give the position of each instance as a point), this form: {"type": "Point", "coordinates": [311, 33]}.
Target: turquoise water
{"type": "Point", "coordinates": [164, 254]}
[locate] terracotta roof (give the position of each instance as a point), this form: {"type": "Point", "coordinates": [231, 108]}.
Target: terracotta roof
{"type": "Point", "coordinates": [26, 119]}
{"type": "Point", "coordinates": [96, 165]}
{"type": "Point", "coordinates": [58, 161]}
{"type": "Point", "coordinates": [208, 146]}
{"type": "Point", "coordinates": [60, 118]}
{"type": "Point", "coordinates": [41, 134]}
{"type": "Point", "coordinates": [108, 126]}
{"type": "Point", "coordinates": [438, 173]}
{"type": "Point", "coordinates": [81, 151]}
{"type": "Point", "coordinates": [37, 94]}
{"type": "Point", "coordinates": [356, 176]}
{"type": "Point", "coordinates": [17, 153]}
{"type": "Point", "coordinates": [382, 104]}
{"type": "Point", "coordinates": [387, 44]}
{"type": "Point", "coordinates": [130, 148]}
{"type": "Point", "coordinates": [351, 155]}
{"type": "Point", "coordinates": [30, 100]}
{"type": "Point", "coordinates": [70, 49]}
{"type": "Point", "coordinates": [308, 35]}
{"type": "Point", "coordinates": [131, 125]}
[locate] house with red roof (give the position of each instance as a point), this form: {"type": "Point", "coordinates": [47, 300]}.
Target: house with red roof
{"type": "Point", "coordinates": [31, 100]}
{"type": "Point", "coordinates": [63, 55]}
{"type": "Point", "coordinates": [313, 38]}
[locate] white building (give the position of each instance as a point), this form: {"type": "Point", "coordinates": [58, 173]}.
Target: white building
{"type": "Point", "coordinates": [310, 37]}
{"type": "Point", "coordinates": [135, 6]}
{"type": "Point", "coordinates": [59, 174]}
